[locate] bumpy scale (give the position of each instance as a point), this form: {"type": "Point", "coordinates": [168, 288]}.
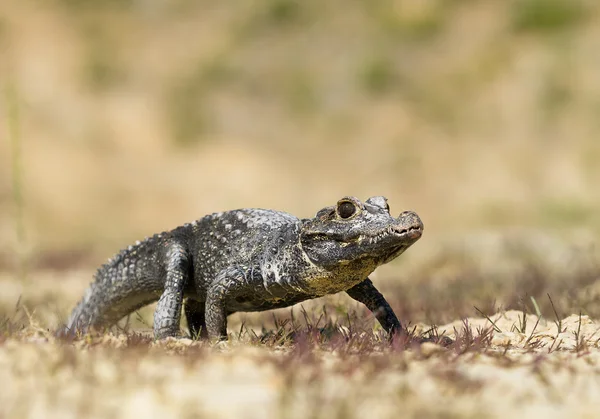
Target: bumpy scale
{"type": "Point", "coordinates": [249, 260]}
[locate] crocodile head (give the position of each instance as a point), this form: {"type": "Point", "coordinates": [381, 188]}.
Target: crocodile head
{"type": "Point", "coordinates": [358, 234]}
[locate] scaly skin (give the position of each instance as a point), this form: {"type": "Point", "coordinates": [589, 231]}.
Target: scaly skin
{"type": "Point", "coordinates": [249, 260]}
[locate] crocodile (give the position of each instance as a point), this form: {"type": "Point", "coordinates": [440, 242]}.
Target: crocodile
{"type": "Point", "coordinates": [249, 260]}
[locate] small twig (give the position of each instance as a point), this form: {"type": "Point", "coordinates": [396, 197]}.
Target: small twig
{"type": "Point", "coordinates": [558, 320]}
{"type": "Point", "coordinates": [496, 328]}
{"type": "Point", "coordinates": [532, 331]}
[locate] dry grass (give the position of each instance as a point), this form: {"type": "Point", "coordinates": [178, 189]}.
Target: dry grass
{"type": "Point", "coordinates": [518, 354]}
{"type": "Point", "coordinates": [325, 358]}
{"type": "Point", "coordinates": [307, 371]}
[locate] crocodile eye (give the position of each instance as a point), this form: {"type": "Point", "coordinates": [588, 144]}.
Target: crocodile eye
{"type": "Point", "coordinates": [346, 209]}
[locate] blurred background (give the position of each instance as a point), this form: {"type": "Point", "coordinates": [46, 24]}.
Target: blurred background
{"type": "Point", "coordinates": [123, 118]}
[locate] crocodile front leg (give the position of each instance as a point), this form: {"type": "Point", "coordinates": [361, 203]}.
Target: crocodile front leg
{"type": "Point", "coordinates": [229, 284]}
{"type": "Point", "coordinates": [366, 293]}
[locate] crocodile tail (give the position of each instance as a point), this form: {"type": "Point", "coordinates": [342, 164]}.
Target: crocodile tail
{"type": "Point", "coordinates": [83, 316]}
{"type": "Point", "coordinates": [116, 290]}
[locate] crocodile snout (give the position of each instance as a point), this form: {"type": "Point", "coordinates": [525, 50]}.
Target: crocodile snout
{"type": "Point", "coordinates": [410, 223]}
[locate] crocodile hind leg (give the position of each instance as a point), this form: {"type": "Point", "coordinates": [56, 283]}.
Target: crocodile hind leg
{"type": "Point", "coordinates": [168, 310]}
{"type": "Point", "coordinates": [194, 314]}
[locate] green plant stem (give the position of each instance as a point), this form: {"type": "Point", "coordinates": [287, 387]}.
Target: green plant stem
{"type": "Point", "coordinates": [14, 135]}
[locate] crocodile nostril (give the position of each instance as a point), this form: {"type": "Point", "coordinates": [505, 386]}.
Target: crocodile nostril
{"type": "Point", "coordinates": [411, 218]}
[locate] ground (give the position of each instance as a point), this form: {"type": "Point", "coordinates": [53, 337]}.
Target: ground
{"type": "Point", "coordinates": [325, 358]}
{"type": "Point", "coordinates": [503, 373]}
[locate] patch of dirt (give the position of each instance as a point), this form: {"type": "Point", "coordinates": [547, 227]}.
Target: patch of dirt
{"type": "Point", "coordinates": [517, 367]}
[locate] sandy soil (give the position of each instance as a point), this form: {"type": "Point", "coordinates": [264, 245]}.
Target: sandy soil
{"type": "Point", "coordinates": [504, 369]}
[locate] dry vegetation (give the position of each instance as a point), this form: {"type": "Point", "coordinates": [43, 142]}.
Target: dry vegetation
{"type": "Point", "coordinates": [519, 353]}
{"type": "Point", "coordinates": [509, 364]}
{"type": "Point", "coordinates": [122, 118]}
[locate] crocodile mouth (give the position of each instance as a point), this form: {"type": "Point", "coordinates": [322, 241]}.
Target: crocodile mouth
{"type": "Point", "coordinates": [395, 232]}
